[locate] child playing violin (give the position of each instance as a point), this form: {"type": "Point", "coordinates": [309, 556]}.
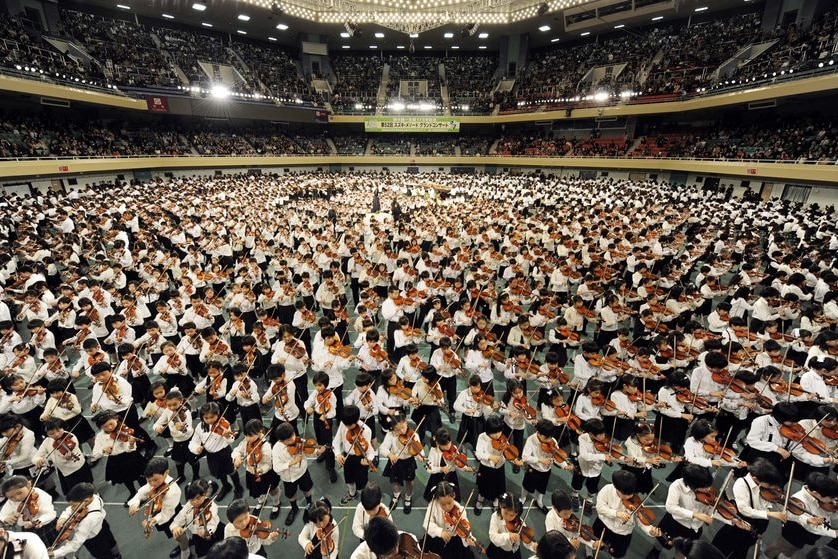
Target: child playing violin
{"type": "Point", "coordinates": [320, 536]}
{"type": "Point", "coordinates": [176, 421]}
{"type": "Point", "coordinates": [282, 393]}
{"type": "Point", "coordinates": [560, 518]}
{"type": "Point", "coordinates": [83, 523]}
{"type": "Point", "coordinates": [516, 413]}
{"type": "Point", "coordinates": [173, 367]}
{"type": "Point", "coordinates": [701, 448]}
{"type": "Point", "coordinates": [244, 525]}
{"type": "Point", "coordinates": [446, 522]}
{"type": "Point", "coordinates": [365, 400]}
{"type": "Point", "coordinates": [443, 461]}
{"type": "Point", "coordinates": [118, 442]}
{"type": "Point", "coordinates": [402, 448]}
{"type": "Point", "coordinates": [353, 450]}
{"type": "Point", "coordinates": [408, 368]}
{"type": "Point", "coordinates": [691, 503]}
{"type": "Point", "coordinates": [626, 409]}
{"type": "Point", "coordinates": [290, 463]}
{"type": "Point", "coordinates": [392, 396]}
{"type": "Point", "coordinates": [748, 492]}
{"type": "Point", "coordinates": [590, 459]}
{"type": "Point", "coordinates": [212, 438]}
{"type": "Point", "coordinates": [255, 453]}
{"type": "Point", "coordinates": [492, 451]}
{"type": "Point", "coordinates": [214, 385]}
{"type": "Point", "coordinates": [615, 518]}
{"type": "Point", "coordinates": [200, 517]}
{"type": "Point", "coordinates": [448, 366]}
{"type": "Point", "coordinates": [818, 499]}
{"type": "Point", "coordinates": [825, 420]}
{"type": "Point", "coordinates": [673, 412]}
{"type": "Point", "coordinates": [63, 404]}
{"type": "Point", "coordinates": [540, 452]}
{"type": "Point", "coordinates": [245, 393]}
{"type": "Point", "coordinates": [428, 397]}
{"type": "Point", "coordinates": [158, 501]}
{"type": "Point", "coordinates": [321, 405]}
{"type": "Point", "coordinates": [369, 508]}
{"type": "Point", "coordinates": [27, 508]}
{"type": "Point", "coordinates": [61, 449]}
{"type": "Point", "coordinates": [507, 530]}
{"type": "Point", "coordinates": [473, 407]}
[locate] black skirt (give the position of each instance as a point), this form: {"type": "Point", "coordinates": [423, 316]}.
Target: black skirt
{"type": "Point", "coordinates": [80, 427]}
{"type": "Point", "coordinates": [494, 552]}
{"type": "Point", "coordinates": [798, 536]}
{"type": "Point", "coordinates": [181, 454]}
{"type": "Point", "coordinates": [491, 482]}
{"type": "Point", "coordinates": [403, 470]}
{"type": "Point", "coordinates": [82, 475]}
{"type": "Point", "coordinates": [435, 479]}
{"type": "Point", "coordinates": [263, 485]}
{"type": "Point", "coordinates": [125, 467]}
{"type": "Point", "coordinates": [672, 529]}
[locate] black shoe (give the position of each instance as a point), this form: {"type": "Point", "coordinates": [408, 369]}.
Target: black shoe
{"type": "Point", "coordinates": [516, 469]}
{"type": "Point", "coordinates": [168, 452]}
{"type": "Point", "coordinates": [239, 492]}
{"type": "Point", "coordinates": [574, 502]}
{"type": "Point", "coordinates": [542, 508]}
{"type": "Point", "coordinates": [333, 476]}
{"type": "Point", "coordinates": [292, 515]}
{"type": "Point", "coordinates": [275, 512]}
{"type": "Point", "coordinates": [223, 492]}
{"type": "Point", "coordinates": [478, 509]}
{"type": "Point", "coordinates": [175, 552]}
{"type": "Point", "coordinates": [408, 506]}
{"type": "Point", "coordinates": [393, 502]}
{"type": "Point", "coordinates": [321, 458]}
{"type": "Point", "coordinates": [125, 504]}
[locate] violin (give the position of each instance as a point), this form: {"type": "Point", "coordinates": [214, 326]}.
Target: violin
{"type": "Point", "coordinates": [306, 446]}
{"type": "Point", "coordinates": [507, 449]}
{"type": "Point", "coordinates": [568, 334]}
{"type": "Point", "coordinates": [511, 307]}
{"type": "Point", "coordinates": [260, 528]}
{"type": "Point", "coordinates": [647, 398]}
{"type": "Point", "coordinates": [417, 363]}
{"type": "Point", "coordinates": [799, 435]}
{"type": "Point", "coordinates": [65, 447]}
{"type": "Point", "coordinates": [214, 386]}
{"type": "Point", "coordinates": [29, 508]}
{"type": "Point", "coordinates": [410, 442]}
{"type": "Point", "coordinates": [460, 525]}
{"type": "Point", "coordinates": [340, 350]}
{"type": "Point", "coordinates": [450, 358]}
{"type": "Point", "coordinates": [634, 505]}
{"type": "Point", "coordinates": [124, 434]}
{"type": "Point", "coordinates": [494, 354]}
{"type": "Point", "coordinates": [481, 397]}
{"type": "Point", "coordinates": [221, 427]}
{"type": "Point", "coordinates": [723, 453]}
{"type": "Point", "coordinates": [153, 507]}
{"type": "Point", "coordinates": [323, 405]}
{"type": "Point", "coordinates": [517, 526]}
{"type": "Point", "coordinates": [379, 353]}
{"type": "Point", "coordinates": [400, 390]}
{"type": "Point", "coordinates": [572, 524]}
{"type": "Point", "coordinates": [173, 361]}
{"type": "Point", "coordinates": [452, 455]}
{"type": "Point", "coordinates": [659, 449]}
{"type": "Point", "coordinates": [724, 507]}
{"type": "Point", "coordinates": [686, 396]}
{"type": "Point", "coordinates": [551, 447]}
{"type": "Point", "coordinates": [615, 450]}
{"type": "Point", "coordinates": [79, 514]}
{"type": "Point", "coordinates": [783, 387]}
{"type": "Point", "coordinates": [722, 377]}
{"type": "Point", "coordinates": [408, 548]}
{"type": "Point", "coordinates": [360, 445]}
{"type": "Point", "coordinates": [327, 542]}
{"type": "Point", "coordinates": [525, 408]}
{"type": "Point", "coordinates": [295, 348]}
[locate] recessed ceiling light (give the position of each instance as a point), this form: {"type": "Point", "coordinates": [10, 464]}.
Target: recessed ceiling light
{"type": "Point", "coordinates": [414, 35]}
{"type": "Point", "coordinates": [556, 40]}
{"type": "Point", "coordinates": [428, 47]}
{"type": "Point", "coordinates": [482, 47]}
{"type": "Point", "coordinates": [658, 18]}
{"type": "Point", "coordinates": [240, 32]}
{"type": "Point", "coordinates": [544, 28]}
{"type": "Point", "coordinates": [379, 35]}
{"type": "Point", "coordinates": [345, 35]}
{"type": "Point", "coordinates": [244, 17]}
{"type": "Point", "coordinates": [400, 47]}
{"type": "Point", "coordinates": [701, 9]}
{"type": "Point", "coordinates": [205, 24]}
{"type": "Point", "coordinates": [373, 46]}
{"type": "Point", "coordinates": [123, 6]}
{"type": "Point", "coordinates": [455, 47]}
{"type": "Point", "coordinates": [449, 35]}
{"type": "Point", "coordinates": [483, 36]}
{"type": "Point", "coordinates": [272, 38]}
{"type": "Point", "coordinates": [198, 6]}
{"type": "Point", "coordinates": [619, 26]}
{"type": "Point", "coordinates": [282, 27]}
{"type": "Point", "coordinates": [168, 16]}
{"type": "Point", "coordinates": [585, 34]}
{"type": "Point", "coordinates": [345, 47]}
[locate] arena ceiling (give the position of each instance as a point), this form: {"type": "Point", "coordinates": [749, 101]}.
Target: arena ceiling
{"type": "Point", "coordinates": [430, 25]}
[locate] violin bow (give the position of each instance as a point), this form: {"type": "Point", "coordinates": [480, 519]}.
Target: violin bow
{"type": "Point", "coordinates": [427, 524]}
{"type": "Point", "coordinates": [203, 510]}
{"type": "Point", "coordinates": [524, 519]}
{"type": "Point", "coordinates": [642, 502]}
{"type": "Point", "coordinates": [67, 523]}
{"type": "Point", "coordinates": [216, 422]}
{"type": "Point", "coordinates": [599, 542]}
{"type": "Point", "coordinates": [25, 501]}
{"type": "Point", "coordinates": [788, 488]}
{"type": "Point", "coordinates": [569, 412]}
{"type": "Point", "coordinates": [722, 492]}
{"type": "Point", "coordinates": [404, 446]}
{"type": "Point", "coordinates": [160, 491]}
{"type": "Point", "coordinates": [809, 432]}
{"type": "Point", "coordinates": [462, 512]}
{"type": "Point", "coordinates": [342, 536]}
{"type": "Point", "coordinates": [724, 445]}
{"type": "Point", "coordinates": [258, 444]}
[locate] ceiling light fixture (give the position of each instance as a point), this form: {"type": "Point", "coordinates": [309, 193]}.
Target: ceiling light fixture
{"type": "Point", "coordinates": [379, 35]}
{"type": "Point", "coordinates": [449, 35]}
{"type": "Point", "coordinates": [240, 32]}
{"type": "Point", "coordinates": [544, 28]}
{"type": "Point", "coordinates": [619, 26]}
{"type": "Point", "coordinates": [272, 38]}
{"type": "Point", "coordinates": [483, 36]}
{"type": "Point", "coordinates": [282, 27]}
{"type": "Point", "coordinates": [205, 24]}
{"type": "Point", "coordinates": [243, 17]}
{"type": "Point", "coordinates": [702, 9]}
{"type": "Point", "coordinates": [199, 7]}
{"type": "Point", "coordinates": [556, 40]}
{"type": "Point", "coordinates": [123, 6]}
{"type": "Point", "coordinates": [585, 34]}
{"type": "Point", "coordinates": [168, 16]}
{"type": "Point", "coordinates": [657, 18]}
